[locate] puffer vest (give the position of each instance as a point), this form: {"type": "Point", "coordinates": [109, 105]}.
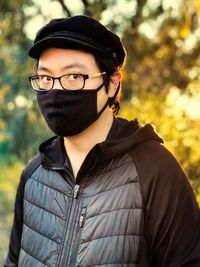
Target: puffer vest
{"type": "Point", "coordinates": [97, 222]}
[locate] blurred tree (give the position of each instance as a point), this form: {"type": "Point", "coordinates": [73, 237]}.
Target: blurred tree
{"type": "Point", "coordinates": [162, 40]}
{"type": "Point", "coordinates": [19, 125]}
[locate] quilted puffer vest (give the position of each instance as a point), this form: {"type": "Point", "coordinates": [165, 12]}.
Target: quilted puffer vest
{"type": "Point", "coordinates": [98, 222]}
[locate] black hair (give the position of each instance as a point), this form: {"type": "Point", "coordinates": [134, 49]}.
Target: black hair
{"type": "Point", "coordinates": [107, 65]}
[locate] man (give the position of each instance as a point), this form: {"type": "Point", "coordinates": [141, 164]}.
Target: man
{"type": "Point", "coordinates": [104, 191]}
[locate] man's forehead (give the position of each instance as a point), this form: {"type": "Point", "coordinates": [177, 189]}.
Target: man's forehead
{"type": "Point", "coordinates": [58, 59]}
{"type": "Point", "coordinates": [75, 65]}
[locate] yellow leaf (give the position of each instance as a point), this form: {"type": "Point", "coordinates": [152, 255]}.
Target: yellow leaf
{"type": "Point", "coordinates": [197, 5]}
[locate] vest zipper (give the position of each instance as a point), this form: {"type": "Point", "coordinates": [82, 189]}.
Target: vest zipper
{"type": "Point", "coordinates": [82, 217]}
{"type": "Point", "coordinates": [73, 209]}
{"type": "Point", "coordinates": [76, 189]}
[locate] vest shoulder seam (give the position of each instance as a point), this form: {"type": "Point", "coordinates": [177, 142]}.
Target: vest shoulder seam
{"type": "Point", "coordinates": [34, 257]}
{"type": "Point", "coordinates": [41, 234]}
{"type": "Point", "coordinates": [38, 206]}
{"type": "Point", "coordinates": [38, 181]}
{"type": "Point", "coordinates": [116, 167]}
{"type": "Point", "coordinates": [138, 235]}
{"type": "Point", "coordinates": [112, 211]}
{"type": "Point", "coordinates": [132, 182]}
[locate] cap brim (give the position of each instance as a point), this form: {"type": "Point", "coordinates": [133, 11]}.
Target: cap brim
{"type": "Point", "coordinates": [67, 43]}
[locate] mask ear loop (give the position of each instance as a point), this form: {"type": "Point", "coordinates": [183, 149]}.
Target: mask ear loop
{"type": "Point", "coordinates": [104, 107]}
{"type": "Point", "coordinates": [106, 104]}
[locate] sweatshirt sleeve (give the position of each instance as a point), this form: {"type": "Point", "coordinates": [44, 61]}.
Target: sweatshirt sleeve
{"type": "Point", "coordinates": [16, 232]}
{"type": "Point", "coordinates": [171, 213]}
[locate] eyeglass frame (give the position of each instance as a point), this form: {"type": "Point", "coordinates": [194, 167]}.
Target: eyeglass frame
{"type": "Point", "coordinates": [85, 77]}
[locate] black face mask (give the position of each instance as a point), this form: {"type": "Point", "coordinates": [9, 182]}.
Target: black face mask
{"type": "Point", "coordinates": [68, 113]}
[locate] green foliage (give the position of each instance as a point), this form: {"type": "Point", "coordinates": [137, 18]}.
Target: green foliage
{"type": "Point", "coordinates": [9, 178]}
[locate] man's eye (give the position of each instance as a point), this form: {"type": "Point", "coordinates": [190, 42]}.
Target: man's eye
{"type": "Point", "coordinates": [46, 79]}
{"type": "Point", "coordinates": [74, 77]}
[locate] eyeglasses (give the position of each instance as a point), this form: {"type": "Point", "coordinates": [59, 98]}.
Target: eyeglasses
{"type": "Point", "coordinates": [71, 81]}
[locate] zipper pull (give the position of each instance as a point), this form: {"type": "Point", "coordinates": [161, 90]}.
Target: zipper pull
{"type": "Point", "coordinates": [81, 219]}
{"type": "Point", "coordinates": [76, 189]}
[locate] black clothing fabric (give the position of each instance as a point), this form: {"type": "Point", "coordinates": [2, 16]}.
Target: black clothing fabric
{"type": "Point", "coordinates": [171, 218]}
{"type": "Point", "coordinates": [79, 32]}
{"type": "Point", "coordinates": [62, 114]}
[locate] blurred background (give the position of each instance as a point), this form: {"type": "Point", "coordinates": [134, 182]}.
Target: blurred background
{"type": "Point", "coordinates": [161, 80]}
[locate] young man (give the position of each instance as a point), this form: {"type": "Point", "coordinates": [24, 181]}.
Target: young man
{"type": "Point", "coordinates": [104, 191]}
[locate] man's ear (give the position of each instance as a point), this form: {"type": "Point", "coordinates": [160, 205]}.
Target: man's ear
{"type": "Point", "coordinates": [115, 79]}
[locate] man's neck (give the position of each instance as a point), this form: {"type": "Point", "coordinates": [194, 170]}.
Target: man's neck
{"type": "Point", "coordinates": [94, 134]}
{"type": "Point", "coordinates": [78, 146]}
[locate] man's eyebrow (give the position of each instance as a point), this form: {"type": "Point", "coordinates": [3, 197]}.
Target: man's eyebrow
{"type": "Point", "coordinates": [71, 66]}
{"type": "Point", "coordinates": [74, 65]}
{"type": "Point", "coordinates": [43, 68]}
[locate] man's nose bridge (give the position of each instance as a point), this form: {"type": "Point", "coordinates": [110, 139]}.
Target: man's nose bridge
{"type": "Point", "coordinates": [57, 84]}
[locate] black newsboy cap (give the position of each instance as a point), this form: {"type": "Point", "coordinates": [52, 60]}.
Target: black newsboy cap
{"type": "Point", "coordinates": [79, 32]}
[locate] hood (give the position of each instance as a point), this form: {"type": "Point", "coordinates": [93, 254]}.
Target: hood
{"type": "Point", "coordinates": [124, 135]}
